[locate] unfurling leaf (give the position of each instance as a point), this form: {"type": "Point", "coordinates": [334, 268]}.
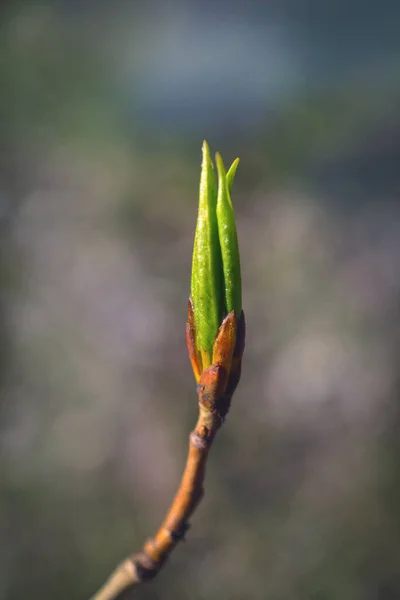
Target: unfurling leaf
{"type": "Point", "coordinates": [216, 281]}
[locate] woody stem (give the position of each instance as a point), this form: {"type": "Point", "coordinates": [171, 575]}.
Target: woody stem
{"type": "Point", "coordinates": [145, 565]}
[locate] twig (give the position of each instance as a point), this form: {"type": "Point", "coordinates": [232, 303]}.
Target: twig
{"type": "Point", "coordinates": [145, 565]}
{"type": "Point", "coordinates": [216, 386]}
{"type": "Point", "coordinates": [215, 337]}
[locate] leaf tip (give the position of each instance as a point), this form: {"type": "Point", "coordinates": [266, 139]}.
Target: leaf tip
{"type": "Point", "coordinates": [206, 153]}
{"type": "Point", "coordinates": [220, 165]}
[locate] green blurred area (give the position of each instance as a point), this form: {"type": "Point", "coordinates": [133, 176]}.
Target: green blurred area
{"type": "Point", "coordinates": [98, 201]}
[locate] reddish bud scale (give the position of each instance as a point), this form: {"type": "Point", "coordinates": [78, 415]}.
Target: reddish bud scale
{"type": "Point", "coordinates": [217, 383]}
{"type": "Point", "coordinates": [225, 341]}
{"type": "Point", "coordinates": [236, 368]}
{"type": "Point", "coordinates": [194, 354]}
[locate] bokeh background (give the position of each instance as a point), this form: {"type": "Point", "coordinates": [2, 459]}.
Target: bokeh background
{"type": "Point", "coordinates": [103, 109]}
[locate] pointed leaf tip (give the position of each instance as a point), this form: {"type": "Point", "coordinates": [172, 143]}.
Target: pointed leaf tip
{"type": "Point", "coordinates": [206, 152]}
{"type": "Point", "coordinates": [230, 176]}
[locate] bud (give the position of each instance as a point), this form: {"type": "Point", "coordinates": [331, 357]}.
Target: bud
{"type": "Point", "coordinates": [215, 327]}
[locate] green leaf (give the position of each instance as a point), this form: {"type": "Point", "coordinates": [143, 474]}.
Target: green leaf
{"type": "Point", "coordinates": [206, 283]}
{"type": "Point", "coordinates": [228, 238]}
{"type": "Point", "coordinates": [230, 176]}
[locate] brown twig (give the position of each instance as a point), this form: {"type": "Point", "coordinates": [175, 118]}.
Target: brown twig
{"type": "Point", "coordinates": [215, 387]}
{"type": "Point", "coordinates": [145, 565]}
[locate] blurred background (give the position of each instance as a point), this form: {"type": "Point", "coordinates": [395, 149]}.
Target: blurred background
{"type": "Point", "coordinates": [103, 110]}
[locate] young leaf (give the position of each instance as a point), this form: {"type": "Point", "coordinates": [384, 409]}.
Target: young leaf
{"type": "Point", "coordinates": [206, 284]}
{"type": "Point", "coordinates": [230, 176]}
{"type": "Point", "coordinates": [228, 239]}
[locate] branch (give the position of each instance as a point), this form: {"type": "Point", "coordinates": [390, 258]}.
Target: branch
{"type": "Point", "coordinates": [145, 565]}
{"type": "Point", "coordinates": [215, 337]}
{"type": "Point", "coordinates": [216, 385]}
